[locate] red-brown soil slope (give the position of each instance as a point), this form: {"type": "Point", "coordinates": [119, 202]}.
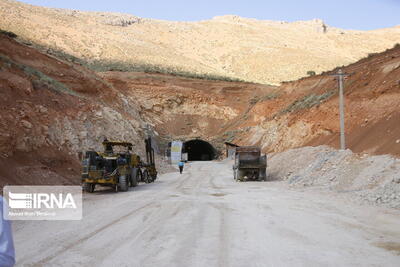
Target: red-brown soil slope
{"type": "Point", "coordinates": [188, 108]}
{"type": "Point", "coordinates": [305, 112]}
{"type": "Point", "coordinates": [49, 111]}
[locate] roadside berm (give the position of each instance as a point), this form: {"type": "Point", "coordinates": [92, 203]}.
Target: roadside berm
{"type": "Point", "coordinates": [363, 178]}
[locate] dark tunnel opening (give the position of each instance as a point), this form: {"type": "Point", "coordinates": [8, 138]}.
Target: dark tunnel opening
{"type": "Point", "coordinates": [199, 150]}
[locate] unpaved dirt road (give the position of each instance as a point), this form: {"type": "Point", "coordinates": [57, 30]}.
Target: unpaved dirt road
{"type": "Point", "coordinates": [204, 218]}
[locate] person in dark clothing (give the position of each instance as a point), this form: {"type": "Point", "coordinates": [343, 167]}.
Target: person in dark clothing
{"type": "Point", "coordinates": [180, 165]}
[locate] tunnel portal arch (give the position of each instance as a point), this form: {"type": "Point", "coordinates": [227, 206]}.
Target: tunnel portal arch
{"type": "Point", "coordinates": [199, 150]}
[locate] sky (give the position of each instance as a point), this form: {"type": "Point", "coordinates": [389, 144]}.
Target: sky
{"type": "Point", "coordinates": [346, 14]}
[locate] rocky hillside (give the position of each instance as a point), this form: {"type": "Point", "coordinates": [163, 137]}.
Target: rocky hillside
{"type": "Point", "coordinates": [50, 111]}
{"type": "Point", "coordinates": [303, 112]}
{"type": "Point", "coordinates": [248, 49]}
{"type": "Point", "coordinates": [306, 111]}
{"type": "Point", "coordinates": [183, 108]}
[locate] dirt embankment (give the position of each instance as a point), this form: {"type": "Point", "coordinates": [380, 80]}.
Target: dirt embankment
{"type": "Point", "coordinates": [52, 110]}
{"type": "Point", "coordinates": [186, 108]}
{"type": "Point", "coordinates": [305, 112]}
{"type": "Point", "coordinates": [366, 179]}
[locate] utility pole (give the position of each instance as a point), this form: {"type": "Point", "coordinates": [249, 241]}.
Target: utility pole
{"type": "Point", "coordinates": [341, 76]}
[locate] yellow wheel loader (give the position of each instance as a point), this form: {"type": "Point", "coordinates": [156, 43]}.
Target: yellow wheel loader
{"type": "Point", "coordinates": [118, 170]}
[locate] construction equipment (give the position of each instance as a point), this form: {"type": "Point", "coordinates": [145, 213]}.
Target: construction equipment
{"type": "Point", "coordinates": [149, 173]}
{"type": "Point", "coordinates": [250, 164]}
{"type": "Point", "coordinates": [119, 170]}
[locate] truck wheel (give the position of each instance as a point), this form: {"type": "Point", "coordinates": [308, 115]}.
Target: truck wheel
{"type": "Point", "coordinates": [123, 183]}
{"type": "Point", "coordinates": [134, 177]}
{"type": "Point", "coordinates": [240, 175]}
{"type": "Point", "coordinates": [262, 176]}
{"type": "Point", "coordinates": [88, 187]}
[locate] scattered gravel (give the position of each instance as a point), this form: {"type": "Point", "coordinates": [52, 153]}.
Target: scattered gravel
{"type": "Point", "coordinates": [370, 179]}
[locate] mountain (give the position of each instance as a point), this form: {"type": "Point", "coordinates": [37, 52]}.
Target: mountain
{"type": "Point", "coordinates": [230, 46]}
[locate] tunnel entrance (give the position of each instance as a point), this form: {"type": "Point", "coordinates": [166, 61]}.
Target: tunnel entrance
{"type": "Point", "coordinates": [199, 150]}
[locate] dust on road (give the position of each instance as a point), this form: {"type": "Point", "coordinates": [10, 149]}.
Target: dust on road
{"type": "Point", "coordinates": [204, 218]}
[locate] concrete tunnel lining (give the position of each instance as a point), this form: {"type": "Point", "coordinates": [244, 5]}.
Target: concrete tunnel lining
{"type": "Point", "coordinates": [199, 150]}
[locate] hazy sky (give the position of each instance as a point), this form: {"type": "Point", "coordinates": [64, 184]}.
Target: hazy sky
{"type": "Point", "coordinates": [347, 14]}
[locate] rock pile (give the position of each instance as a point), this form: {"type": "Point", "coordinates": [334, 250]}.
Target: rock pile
{"type": "Point", "coordinates": [120, 19]}
{"type": "Point", "coordinates": [370, 179]}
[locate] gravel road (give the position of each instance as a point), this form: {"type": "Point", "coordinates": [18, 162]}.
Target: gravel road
{"type": "Point", "coordinates": [204, 218]}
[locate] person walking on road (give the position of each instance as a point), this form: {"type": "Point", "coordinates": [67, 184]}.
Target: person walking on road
{"type": "Point", "coordinates": [180, 165]}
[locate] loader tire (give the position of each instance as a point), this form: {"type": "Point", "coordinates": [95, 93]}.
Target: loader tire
{"type": "Point", "coordinates": [134, 177]}
{"type": "Point", "coordinates": [123, 183]}
{"type": "Point", "coordinates": [154, 177]}
{"type": "Point", "coordinates": [88, 187]}
{"type": "Point", "coordinates": [146, 177]}
{"type": "Point", "coordinates": [140, 176]}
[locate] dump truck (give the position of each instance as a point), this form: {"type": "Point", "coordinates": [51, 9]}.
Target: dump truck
{"type": "Point", "coordinates": [249, 164]}
{"type": "Point", "coordinates": [117, 169]}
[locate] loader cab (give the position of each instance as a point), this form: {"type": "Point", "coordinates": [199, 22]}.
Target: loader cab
{"type": "Point", "coordinates": [110, 164]}
{"type": "Point", "coordinates": [109, 147]}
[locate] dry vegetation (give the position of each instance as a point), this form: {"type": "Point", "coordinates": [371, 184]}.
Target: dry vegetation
{"type": "Point", "coordinates": [226, 48]}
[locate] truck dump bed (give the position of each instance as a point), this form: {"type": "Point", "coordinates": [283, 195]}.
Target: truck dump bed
{"type": "Point", "coordinates": [248, 157]}
{"type": "Point", "coordinates": [249, 164]}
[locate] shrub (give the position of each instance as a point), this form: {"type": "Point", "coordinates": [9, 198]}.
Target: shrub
{"type": "Point", "coordinates": [39, 79]}
{"type": "Point", "coordinates": [111, 65]}
{"type": "Point", "coordinates": [9, 34]}
{"type": "Point", "coordinates": [104, 65]}
{"type": "Point", "coordinates": [310, 73]}
{"type": "Point", "coordinates": [270, 96]}
{"type": "Point", "coordinates": [307, 102]}
{"type": "Point", "coordinates": [254, 100]}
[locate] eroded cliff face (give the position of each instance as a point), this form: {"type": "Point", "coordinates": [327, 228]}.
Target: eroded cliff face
{"type": "Point", "coordinates": [51, 110]}
{"type": "Point", "coordinates": [303, 112]}
{"type": "Point", "coordinates": [306, 111]}
{"type": "Point", "coordinates": [187, 108]}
